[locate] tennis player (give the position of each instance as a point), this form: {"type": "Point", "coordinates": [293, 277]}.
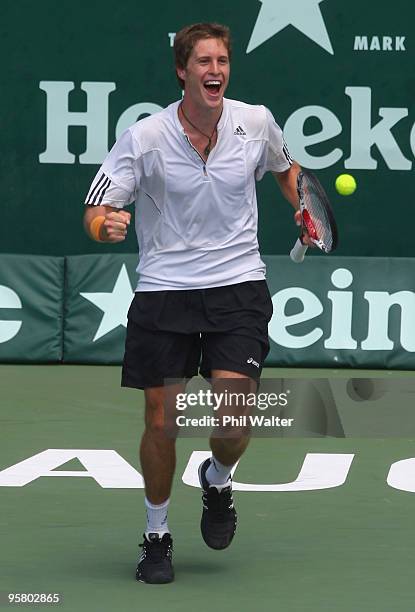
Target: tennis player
{"type": "Point", "coordinates": [202, 302]}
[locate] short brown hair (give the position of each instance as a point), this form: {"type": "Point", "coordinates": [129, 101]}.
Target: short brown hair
{"type": "Point", "coordinates": [186, 39]}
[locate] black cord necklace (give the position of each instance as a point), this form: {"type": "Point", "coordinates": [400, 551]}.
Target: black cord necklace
{"type": "Point", "coordinates": [207, 149]}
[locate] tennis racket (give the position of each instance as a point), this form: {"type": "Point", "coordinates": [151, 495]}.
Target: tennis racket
{"type": "Point", "coordinates": [317, 219]}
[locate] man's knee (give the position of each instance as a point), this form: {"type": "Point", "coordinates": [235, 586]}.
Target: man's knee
{"type": "Point", "coordinates": [154, 421]}
{"type": "Point", "coordinates": [159, 418]}
{"type": "Point", "coordinates": [154, 410]}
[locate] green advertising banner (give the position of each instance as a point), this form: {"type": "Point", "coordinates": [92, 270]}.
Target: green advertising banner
{"type": "Point", "coordinates": [342, 312]}
{"type": "Point", "coordinates": [338, 77]}
{"type": "Point", "coordinates": [31, 308]}
{"type": "Point", "coordinates": [332, 312]}
{"type": "Point", "coordinates": [328, 311]}
{"type": "Point", "coordinates": [99, 290]}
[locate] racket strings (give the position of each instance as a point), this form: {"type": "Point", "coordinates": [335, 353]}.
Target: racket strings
{"type": "Point", "coordinates": [317, 222]}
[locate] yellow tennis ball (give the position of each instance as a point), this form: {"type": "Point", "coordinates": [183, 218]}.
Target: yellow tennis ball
{"type": "Point", "coordinates": [345, 184]}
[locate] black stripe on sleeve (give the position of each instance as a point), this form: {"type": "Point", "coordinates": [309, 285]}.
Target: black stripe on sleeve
{"type": "Point", "coordinates": [91, 190]}
{"type": "Point", "coordinates": [105, 184]}
{"type": "Point", "coordinates": [96, 189]}
{"type": "Point", "coordinates": [103, 190]}
{"type": "Point", "coordinates": [286, 153]}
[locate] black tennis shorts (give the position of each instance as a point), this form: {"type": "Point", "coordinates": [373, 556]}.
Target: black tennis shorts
{"type": "Point", "coordinates": [176, 334]}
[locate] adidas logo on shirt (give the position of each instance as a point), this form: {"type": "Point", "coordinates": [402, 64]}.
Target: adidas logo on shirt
{"type": "Point", "coordinates": [239, 131]}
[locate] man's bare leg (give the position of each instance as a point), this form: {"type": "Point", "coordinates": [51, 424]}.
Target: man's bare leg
{"type": "Point", "coordinates": [228, 450]}
{"type": "Point", "coordinates": [158, 462]}
{"type": "Point", "coordinates": [157, 450]}
{"type": "Point", "coordinates": [218, 523]}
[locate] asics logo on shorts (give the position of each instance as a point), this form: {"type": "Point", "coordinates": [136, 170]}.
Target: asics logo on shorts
{"type": "Point", "coordinates": [252, 360]}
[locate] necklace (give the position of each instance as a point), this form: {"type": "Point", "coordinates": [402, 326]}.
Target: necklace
{"type": "Point", "coordinates": [207, 149]}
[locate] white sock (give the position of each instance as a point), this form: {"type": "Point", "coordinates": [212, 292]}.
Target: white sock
{"type": "Point", "coordinates": [217, 473]}
{"type": "Point", "coordinates": [157, 517]}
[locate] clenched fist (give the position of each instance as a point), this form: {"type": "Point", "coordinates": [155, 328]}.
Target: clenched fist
{"type": "Point", "coordinates": [115, 226]}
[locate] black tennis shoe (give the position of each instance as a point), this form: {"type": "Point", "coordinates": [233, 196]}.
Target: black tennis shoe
{"type": "Point", "coordinates": [155, 564]}
{"type": "Point", "coordinates": [218, 523]}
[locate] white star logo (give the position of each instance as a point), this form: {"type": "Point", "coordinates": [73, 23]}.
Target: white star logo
{"type": "Point", "coordinates": [305, 15]}
{"type": "Point", "coordinates": [114, 305]}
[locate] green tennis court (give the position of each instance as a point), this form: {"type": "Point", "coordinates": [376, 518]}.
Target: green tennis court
{"type": "Point", "coordinates": [347, 548]}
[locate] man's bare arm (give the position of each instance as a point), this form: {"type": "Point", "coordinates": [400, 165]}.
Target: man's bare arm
{"type": "Point", "coordinates": [287, 182]}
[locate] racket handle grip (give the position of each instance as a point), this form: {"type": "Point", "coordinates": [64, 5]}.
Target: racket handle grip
{"type": "Point", "coordinates": [298, 251]}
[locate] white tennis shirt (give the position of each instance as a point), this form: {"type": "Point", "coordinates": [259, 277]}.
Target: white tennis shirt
{"type": "Point", "coordinates": [196, 222]}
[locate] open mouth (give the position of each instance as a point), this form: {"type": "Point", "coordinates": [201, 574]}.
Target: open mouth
{"type": "Point", "coordinates": [212, 87]}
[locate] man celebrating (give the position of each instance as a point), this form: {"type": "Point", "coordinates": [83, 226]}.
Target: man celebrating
{"type": "Point", "coordinates": [201, 303]}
